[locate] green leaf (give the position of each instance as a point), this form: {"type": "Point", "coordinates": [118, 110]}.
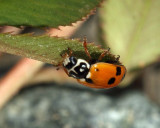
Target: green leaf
{"type": "Point", "coordinates": [132, 30]}
{"type": "Point", "coordinates": [48, 49]}
{"type": "Point", "coordinates": [44, 12]}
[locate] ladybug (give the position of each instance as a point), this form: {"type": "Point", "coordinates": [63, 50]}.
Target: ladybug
{"type": "Point", "coordinates": [93, 74]}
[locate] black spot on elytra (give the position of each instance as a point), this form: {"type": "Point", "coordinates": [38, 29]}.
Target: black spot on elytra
{"type": "Point", "coordinates": [89, 80]}
{"type": "Point", "coordinates": [96, 69]}
{"type": "Point", "coordinates": [111, 81]}
{"type": "Point", "coordinates": [118, 69]}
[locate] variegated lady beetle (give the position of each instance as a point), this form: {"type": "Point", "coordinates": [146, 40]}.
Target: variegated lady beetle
{"type": "Point", "coordinates": [95, 75]}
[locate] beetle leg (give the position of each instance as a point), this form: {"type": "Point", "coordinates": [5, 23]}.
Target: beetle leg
{"type": "Point", "coordinates": [70, 51]}
{"type": "Point", "coordinates": [85, 48]}
{"type": "Point", "coordinates": [118, 56]}
{"type": "Point", "coordinates": [102, 55]}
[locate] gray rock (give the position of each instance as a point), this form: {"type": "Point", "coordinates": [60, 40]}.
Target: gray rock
{"type": "Point", "coordinates": [56, 107]}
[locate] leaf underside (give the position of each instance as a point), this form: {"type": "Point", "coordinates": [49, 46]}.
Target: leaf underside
{"type": "Point", "coordinates": [48, 49]}
{"type": "Point", "coordinates": [39, 13]}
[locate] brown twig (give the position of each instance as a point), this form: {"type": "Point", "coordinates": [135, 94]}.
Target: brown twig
{"type": "Point", "coordinates": [17, 77]}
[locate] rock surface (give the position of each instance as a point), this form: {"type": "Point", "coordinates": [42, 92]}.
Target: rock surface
{"type": "Point", "coordinates": [57, 107]}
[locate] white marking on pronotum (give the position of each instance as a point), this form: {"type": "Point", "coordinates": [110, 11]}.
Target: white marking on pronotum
{"type": "Point", "coordinates": [66, 61]}
{"type": "Point", "coordinates": [81, 70]}
{"type": "Point", "coordinates": [78, 63]}
{"type": "Point", "coordinates": [95, 65]}
{"type": "Point", "coordinates": [82, 80]}
{"type": "Point", "coordinates": [88, 75]}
